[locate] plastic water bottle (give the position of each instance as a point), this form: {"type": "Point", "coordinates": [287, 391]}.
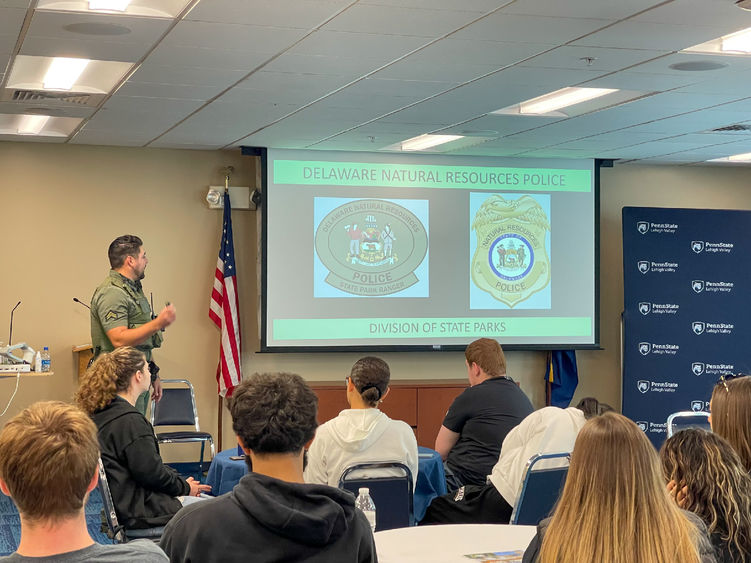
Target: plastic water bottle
{"type": "Point", "coordinates": [46, 359]}
{"type": "Point", "coordinates": [38, 362]}
{"type": "Point", "coordinates": [366, 504]}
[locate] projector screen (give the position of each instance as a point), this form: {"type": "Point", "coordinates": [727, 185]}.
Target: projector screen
{"type": "Point", "coordinates": [407, 251]}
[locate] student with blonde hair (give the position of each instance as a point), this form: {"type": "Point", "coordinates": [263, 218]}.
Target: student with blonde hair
{"type": "Point", "coordinates": [48, 467]}
{"type": "Point", "coordinates": [731, 414]}
{"type": "Point", "coordinates": [706, 477]}
{"type": "Point", "coordinates": [615, 507]}
{"type": "Point", "coordinates": [143, 489]}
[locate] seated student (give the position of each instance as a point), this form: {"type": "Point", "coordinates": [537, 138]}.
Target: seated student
{"type": "Point", "coordinates": [479, 419]}
{"type": "Point", "coordinates": [615, 507]}
{"type": "Point", "coordinates": [143, 489]}
{"type": "Point", "coordinates": [361, 433]}
{"type": "Point", "coordinates": [731, 414]}
{"type": "Point", "coordinates": [271, 514]}
{"type": "Point", "coordinates": [48, 467]}
{"type": "Point", "coordinates": [706, 477]}
{"type": "Point", "coordinates": [545, 431]}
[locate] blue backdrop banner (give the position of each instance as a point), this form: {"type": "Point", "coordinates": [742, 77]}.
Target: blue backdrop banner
{"type": "Point", "coordinates": [686, 309]}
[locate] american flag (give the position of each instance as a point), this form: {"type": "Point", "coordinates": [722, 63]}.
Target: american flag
{"type": "Point", "coordinates": [224, 307]}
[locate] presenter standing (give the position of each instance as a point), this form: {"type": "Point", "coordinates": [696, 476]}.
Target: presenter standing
{"type": "Point", "coordinates": [121, 314]}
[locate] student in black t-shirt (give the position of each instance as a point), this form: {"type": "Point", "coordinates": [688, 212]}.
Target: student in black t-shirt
{"type": "Point", "coordinates": [478, 420]}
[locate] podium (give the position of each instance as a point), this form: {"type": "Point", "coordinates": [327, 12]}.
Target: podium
{"type": "Point", "coordinates": [85, 353]}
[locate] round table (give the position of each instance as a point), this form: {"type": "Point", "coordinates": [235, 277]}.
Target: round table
{"type": "Point", "coordinates": [451, 542]}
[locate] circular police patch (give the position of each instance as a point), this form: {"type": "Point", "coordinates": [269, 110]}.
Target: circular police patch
{"type": "Point", "coordinates": [371, 247]}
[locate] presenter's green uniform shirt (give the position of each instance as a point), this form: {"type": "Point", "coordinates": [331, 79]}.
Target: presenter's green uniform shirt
{"type": "Point", "coordinates": [119, 301]}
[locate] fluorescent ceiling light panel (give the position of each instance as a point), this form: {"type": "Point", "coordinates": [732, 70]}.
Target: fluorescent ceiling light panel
{"type": "Point", "coordinates": [32, 124]}
{"type": "Point", "coordinates": [109, 5]}
{"type": "Point", "coordinates": [63, 73]}
{"type": "Point", "coordinates": [141, 8]}
{"type": "Point", "coordinates": [744, 157]}
{"type": "Point", "coordinates": [562, 98]}
{"type": "Point", "coordinates": [427, 141]}
{"type": "Point", "coordinates": [738, 43]}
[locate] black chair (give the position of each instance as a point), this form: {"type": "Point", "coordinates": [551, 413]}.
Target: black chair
{"type": "Point", "coordinates": [540, 489]}
{"type": "Point", "coordinates": [391, 495]}
{"type": "Point", "coordinates": [177, 407]}
{"type": "Point", "coordinates": [688, 419]}
{"type": "Point", "coordinates": [113, 529]}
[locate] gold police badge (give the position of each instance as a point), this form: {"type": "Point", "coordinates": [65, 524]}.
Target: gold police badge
{"type": "Point", "coordinates": [511, 261]}
{"type": "Point", "coordinates": [371, 247]}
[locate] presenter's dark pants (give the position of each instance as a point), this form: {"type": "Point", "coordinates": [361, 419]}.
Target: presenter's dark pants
{"type": "Point", "coordinates": [471, 504]}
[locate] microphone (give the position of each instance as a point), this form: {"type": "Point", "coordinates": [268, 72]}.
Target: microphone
{"type": "Point", "coordinates": [77, 300]}
{"type": "Point", "coordinates": [10, 334]}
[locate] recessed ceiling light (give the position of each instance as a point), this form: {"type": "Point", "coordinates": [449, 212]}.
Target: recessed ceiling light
{"type": "Point", "coordinates": [109, 5]}
{"type": "Point", "coordinates": [32, 124]}
{"type": "Point", "coordinates": [562, 98]}
{"type": "Point", "coordinates": [422, 142]}
{"type": "Point", "coordinates": [63, 73]}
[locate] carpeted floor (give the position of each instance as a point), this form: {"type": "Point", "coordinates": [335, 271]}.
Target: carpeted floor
{"type": "Point", "coordinates": [10, 525]}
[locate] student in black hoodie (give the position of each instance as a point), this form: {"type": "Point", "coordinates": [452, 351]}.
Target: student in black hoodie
{"type": "Point", "coordinates": [271, 514]}
{"type": "Point", "coordinates": [143, 489]}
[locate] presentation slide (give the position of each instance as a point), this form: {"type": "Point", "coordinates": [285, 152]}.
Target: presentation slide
{"type": "Point", "coordinates": [402, 250]}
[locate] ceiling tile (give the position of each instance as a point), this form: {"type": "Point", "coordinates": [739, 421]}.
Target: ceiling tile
{"type": "Point", "coordinates": [530, 29]}
{"type": "Point", "coordinates": [303, 14]}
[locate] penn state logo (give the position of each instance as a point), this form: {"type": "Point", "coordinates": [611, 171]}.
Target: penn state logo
{"type": "Point", "coordinates": [697, 368]}
{"type": "Point", "coordinates": [697, 327]}
{"type": "Point", "coordinates": [645, 348]}
{"type": "Point", "coordinates": [642, 386]}
{"type": "Point", "coordinates": [697, 406]}
{"type": "Point", "coordinates": [645, 308]}
{"type": "Point", "coordinates": [697, 246]}
{"type": "Point", "coordinates": [642, 227]}
{"type": "Point", "coordinates": [643, 266]}
{"type": "Point", "coordinates": [697, 286]}
{"type": "Point", "coordinates": [643, 425]}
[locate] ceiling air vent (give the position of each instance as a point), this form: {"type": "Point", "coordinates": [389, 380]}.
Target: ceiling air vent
{"type": "Point", "coordinates": [738, 128]}
{"type": "Point", "coordinates": [62, 98]}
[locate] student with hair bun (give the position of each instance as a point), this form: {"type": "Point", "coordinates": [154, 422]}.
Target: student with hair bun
{"type": "Point", "coordinates": [361, 433]}
{"type": "Point", "coordinates": [144, 490]}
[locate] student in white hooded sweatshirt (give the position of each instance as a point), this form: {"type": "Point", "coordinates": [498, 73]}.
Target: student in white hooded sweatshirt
{"type": "Point", "coordinates": [361, 433]}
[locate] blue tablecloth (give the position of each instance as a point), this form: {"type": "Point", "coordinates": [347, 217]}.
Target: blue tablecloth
{"type": "Point", "coordinates": [225, 473]}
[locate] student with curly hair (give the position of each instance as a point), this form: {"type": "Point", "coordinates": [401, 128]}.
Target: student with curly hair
{"type": "Point", "coordinates": [271, 514]}
{"type": "Point", "coordinates": [143, 489]}
{"type": "Point", "coordinates": [731, 414]}
{"type": "Point", "coordinates": [615, 507]}
{"type": "Point", "coordinates": [706, 477]}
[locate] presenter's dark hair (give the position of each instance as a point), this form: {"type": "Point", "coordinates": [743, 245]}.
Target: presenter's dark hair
{"type": "Point", "coordinates": [121, 248]}
{"type": "Point", "coordinates": [591, 407]}
{"type": "Point", "coordinates": [110, 374]}
{"type": "Point", "coordinates": [274, 413]}
{"type": "Point", "coordinates": [487, 354]}
{"type": "Point", "coordinates": [370, 376]}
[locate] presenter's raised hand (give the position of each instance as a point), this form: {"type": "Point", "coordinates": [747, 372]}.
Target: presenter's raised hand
{"type": "Point", "coordinates": [167, 316]}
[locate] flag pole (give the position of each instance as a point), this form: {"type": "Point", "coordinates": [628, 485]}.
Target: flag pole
{"type": "Point", "coordinates": [219, 410]}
